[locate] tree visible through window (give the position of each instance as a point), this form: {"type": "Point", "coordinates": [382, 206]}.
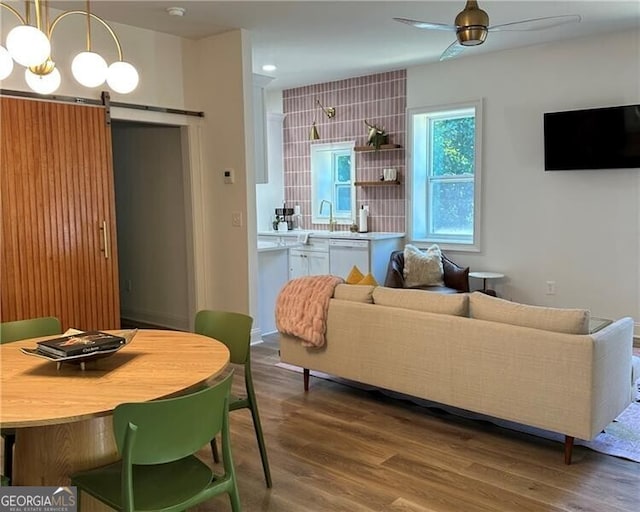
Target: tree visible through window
{"type": "Point", "coordinates": [332, 175]}
{"type": "Point", "coordinates": [445, 175]}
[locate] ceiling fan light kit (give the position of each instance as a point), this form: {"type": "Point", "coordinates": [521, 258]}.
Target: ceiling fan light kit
{"type": "Point", "coordinates": [471, 26]}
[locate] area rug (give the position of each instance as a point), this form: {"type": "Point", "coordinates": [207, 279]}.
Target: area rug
{"type": "Point", "coordinates": [621, 438]}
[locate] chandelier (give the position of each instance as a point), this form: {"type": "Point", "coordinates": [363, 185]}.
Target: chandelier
{"type": "Point", "coordinates": [29, 44]}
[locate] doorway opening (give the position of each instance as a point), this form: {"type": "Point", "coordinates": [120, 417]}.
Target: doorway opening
{"type": "Point", "coordinates": [153, 229]}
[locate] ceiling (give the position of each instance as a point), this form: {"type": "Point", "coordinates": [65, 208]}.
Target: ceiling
{"type": "Point", "coordinates": [320, 41]}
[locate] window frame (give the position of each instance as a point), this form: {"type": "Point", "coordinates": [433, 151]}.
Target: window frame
{"type": "Point", "coordinates": [335, 149]}
{"type": "Point", "coordinates": [418, 181]}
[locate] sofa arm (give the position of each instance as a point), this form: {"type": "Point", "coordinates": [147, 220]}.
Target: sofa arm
{"type": "Point", "coordinates": [395, 275]}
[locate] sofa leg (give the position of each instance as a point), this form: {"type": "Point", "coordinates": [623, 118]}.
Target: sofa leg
{"type": "Point", "coordinates": [305, 376]}
{"type": "Point", "coordinates": [568, 449]}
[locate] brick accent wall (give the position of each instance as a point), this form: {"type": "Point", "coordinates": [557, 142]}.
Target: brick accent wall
{"type": "Point", "coordinates": [381, 100]}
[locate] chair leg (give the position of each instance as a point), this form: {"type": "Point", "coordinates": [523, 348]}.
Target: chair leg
{"type": "Point", "coordinates": [9, 441]}
{"type": "Point", "coordinates": [214, 451]}
{"type": "Point", "coordinates": [253, 405]}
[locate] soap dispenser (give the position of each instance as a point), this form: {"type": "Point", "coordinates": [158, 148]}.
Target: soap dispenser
{"type": "Point", "coordinates": [362, 225]}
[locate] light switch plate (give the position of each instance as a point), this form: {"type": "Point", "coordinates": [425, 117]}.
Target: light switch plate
{"type": "Point", "coordinates": [229, 176]}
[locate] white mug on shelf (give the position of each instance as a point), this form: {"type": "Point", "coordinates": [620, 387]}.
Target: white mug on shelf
{"type": "Point", "coordinates": [389, 174]}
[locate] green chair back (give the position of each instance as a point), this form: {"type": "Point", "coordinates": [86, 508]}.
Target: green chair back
{"type": "Point", "coordinates": [158, 441]}
{"type": "Point", "coordinates": [162, 431]}
{"type": "Point", "coordinates": [31, 328]}
{"type": "Point", "coordinates": [232, 329]}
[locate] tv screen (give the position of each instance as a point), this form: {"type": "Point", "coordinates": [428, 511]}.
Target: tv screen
{"type": "Point", "coordinates": [597, 138]}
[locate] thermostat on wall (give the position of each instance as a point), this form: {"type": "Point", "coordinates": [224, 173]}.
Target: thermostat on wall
{"type": "Point", "coordinates": [229, 176]}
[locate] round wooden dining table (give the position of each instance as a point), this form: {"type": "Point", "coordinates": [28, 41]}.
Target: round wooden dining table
{"type": "Point", "coordinates": [62, 417]}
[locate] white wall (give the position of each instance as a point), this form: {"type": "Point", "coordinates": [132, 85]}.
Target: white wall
{"type": "Point", "coordinates": [224, 92]}
{"type": "Point", "coordinates": [578, 228]}
{"type": "Point", "coordinates": [156, 56]}
{"type": "Point", "coordinates": [152, 240]}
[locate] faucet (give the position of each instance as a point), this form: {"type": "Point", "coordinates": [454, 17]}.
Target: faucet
{"type": "Point", "coordinates": [332, 225]}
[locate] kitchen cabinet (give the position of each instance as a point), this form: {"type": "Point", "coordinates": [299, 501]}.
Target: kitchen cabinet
{"type": "Point", "coordinates": [259, 128]}
{"type": "Point", "coordinates": [311, 259]}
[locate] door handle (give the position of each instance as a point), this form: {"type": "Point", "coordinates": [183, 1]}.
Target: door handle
{"type": "Point", "coordinates": [105, 239]}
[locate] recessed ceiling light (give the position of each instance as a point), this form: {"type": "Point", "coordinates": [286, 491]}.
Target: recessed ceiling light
{"type": "Point", "coordinates": [269, 67]}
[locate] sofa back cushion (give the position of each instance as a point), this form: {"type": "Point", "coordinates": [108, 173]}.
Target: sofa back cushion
{"type": "Point", "coordinates": [422, 300]}
{"type": "Point", "coordinates": [354, 292]}
{"type": "Point", "coordinates": [569, 321]}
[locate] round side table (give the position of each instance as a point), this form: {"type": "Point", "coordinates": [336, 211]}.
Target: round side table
{"type": "Point", "coordinates": [484, 276]}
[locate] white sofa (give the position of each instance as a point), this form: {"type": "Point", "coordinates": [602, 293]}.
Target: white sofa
{"type": "Point", "coordinates": [532, 365]}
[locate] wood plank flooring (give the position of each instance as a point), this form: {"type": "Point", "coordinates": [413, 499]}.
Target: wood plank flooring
{"type": "Point", "coordinates": [342, 449]}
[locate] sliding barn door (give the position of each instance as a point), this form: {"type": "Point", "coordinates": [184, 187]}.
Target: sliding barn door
{"type": "Point", "coordinates": [59, 254]}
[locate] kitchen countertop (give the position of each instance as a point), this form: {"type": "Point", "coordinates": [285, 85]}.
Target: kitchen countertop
{"type": "Point", "coordinates": [265, 246]}
{"type": "Point", "coordinates": [339, 235]}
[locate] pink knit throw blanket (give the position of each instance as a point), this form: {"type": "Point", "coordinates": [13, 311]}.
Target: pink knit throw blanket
{"type": "Point", "coordinates": [302, 306]}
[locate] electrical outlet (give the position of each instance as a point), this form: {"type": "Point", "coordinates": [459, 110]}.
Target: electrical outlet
{"type": "Point", "coordinates": [551, 287]}
{"type": "Point", "coordinates": [236, 219]}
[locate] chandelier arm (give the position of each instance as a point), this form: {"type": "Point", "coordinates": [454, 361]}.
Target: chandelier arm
{"type": "Point", "coordinates": [88, 9]}
{"type": "Point", "coordinates": [97, 18]}
{"type": "Point", "coordinates": [16, 13]}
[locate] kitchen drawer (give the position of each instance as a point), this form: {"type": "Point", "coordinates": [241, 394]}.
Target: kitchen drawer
{"type": "Point", "coordinates": [316, 244]}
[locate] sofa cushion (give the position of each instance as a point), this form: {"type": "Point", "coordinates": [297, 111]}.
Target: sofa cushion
{"type": "Point", "coordinates": [354, 293]}
{"type": "Point", "coordinates": [569, 321]}
{"type": "Point", "coordinates": [422, 268]}
{"type": "Point", "coordinates": [422, 300]}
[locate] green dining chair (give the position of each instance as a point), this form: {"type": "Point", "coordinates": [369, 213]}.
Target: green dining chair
{"type": "Point", "coordinates": [234, 330]}
{"type": "Point", "coordinates": [15, 331]}
{"type": "Point", "coordinates": [157, 441]}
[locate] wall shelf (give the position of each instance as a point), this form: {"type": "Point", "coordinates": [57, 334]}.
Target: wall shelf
{"type": "Point", "coordinates": [383, 147]}
{"type": "Point", "coordinates": [378, 183]}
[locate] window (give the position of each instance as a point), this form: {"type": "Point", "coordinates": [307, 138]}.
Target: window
{"type": "Point", "coordinates": [332, 174]}
{"type": "Point", "coordinates": [445, 175]}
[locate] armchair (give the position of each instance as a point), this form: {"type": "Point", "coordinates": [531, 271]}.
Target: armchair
{"type": "Point", "coordinates": [456, 278]}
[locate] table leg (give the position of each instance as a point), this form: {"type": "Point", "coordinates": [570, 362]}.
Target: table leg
{"type": "Point", "coordinates": [47, 455]}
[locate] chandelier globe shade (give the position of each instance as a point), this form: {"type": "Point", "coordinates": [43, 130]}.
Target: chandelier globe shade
{"type": "Point", "coordinates": [32, 44]}
{"type": "Point", "coordinates": [43, 84]}
{"type": "Point", "coordinates": [89, 69]}
{"type": "Point", "coordinates": [27, 45]}
{"type": "Point", "coordinates": [122, 77]}
{"type": "Point", "coordinates": [6, 63]}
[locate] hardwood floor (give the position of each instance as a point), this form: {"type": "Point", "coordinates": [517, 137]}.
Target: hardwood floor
{"type": "Point", "coordinates": [338, 448]}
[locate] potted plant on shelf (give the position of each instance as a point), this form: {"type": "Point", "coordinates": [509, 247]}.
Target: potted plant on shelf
{"type": "Point", "coordinates": [377, 136]}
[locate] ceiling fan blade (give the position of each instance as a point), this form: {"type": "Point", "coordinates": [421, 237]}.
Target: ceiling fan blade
{"type": "Point", "coordinates": [425, 24]}
{"type": "Point", "coordinates": [453, 50]}
{"type": "Point", "coordinates": [537, 23]}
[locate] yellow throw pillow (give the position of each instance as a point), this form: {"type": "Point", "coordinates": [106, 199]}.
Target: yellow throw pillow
{"type": "Point", "coordinates": [369, 279]}
{"type": "Point", "coordinates": [355, 276]}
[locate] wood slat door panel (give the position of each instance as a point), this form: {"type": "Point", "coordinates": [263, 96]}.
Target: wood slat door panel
{"type": "Point", "coordinates": [56, 182]}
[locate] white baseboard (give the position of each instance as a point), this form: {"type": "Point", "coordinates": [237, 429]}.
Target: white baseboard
{"type": "Point", "coordinates": [155, 318]}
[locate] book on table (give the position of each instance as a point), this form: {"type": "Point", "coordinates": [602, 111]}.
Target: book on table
{"type": "Point", "coordinates": [81, 343]}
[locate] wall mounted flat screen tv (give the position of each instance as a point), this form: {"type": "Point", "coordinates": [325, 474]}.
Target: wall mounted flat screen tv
{"type": "Point", "coordinates": [597, 138]}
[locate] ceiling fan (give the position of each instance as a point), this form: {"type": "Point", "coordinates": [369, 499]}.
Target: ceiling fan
{"type": "Point", "coordinates": [472, 26]}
